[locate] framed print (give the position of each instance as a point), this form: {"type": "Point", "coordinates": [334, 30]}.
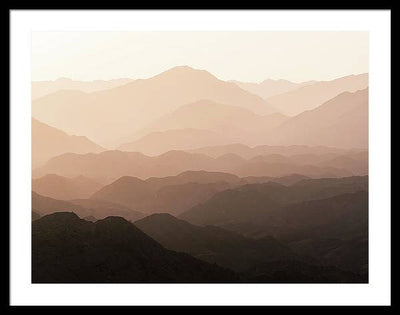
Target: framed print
{"type": "Point", "coordinates": [160, 160]}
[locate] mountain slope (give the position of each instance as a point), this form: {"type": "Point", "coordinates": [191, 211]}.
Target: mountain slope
{"type": "Point", "coordinates": [64, 188]}
{"type": "Point", "coordinates": [312, 96]}
{"type": "Point", "coordinates": [230, 124]}
{"type": "Point", "coordinates": [46, 205]}
{"type": "Point", "coordinates": [48, 142]}
{"type": "Point", "coordinates": [340, 122]}
{"type": "Point", "coordinates": [159, 195]}
{"type": "Point", "coordinates": [83, 207]}
{"type": "Point", "coordinates": [333, 231]}
{"type": "Point", "coordinates": [175, 194]}
{"type": "Point", "coordinates": [212, 244]}
{"type": "Point", "coordinates": [42, 88]}
{"type": "Point", "coordinates": [111, 165]}
{"type": "Point", "coordinates": [159, 142]}
{"type": "Point", "coordinates": [349, 254]}
{"type": "Point", "coordinates": [101, 209]}
{"type": "Point", "coordinates": [343, 216]}
{"type": "Point", "coordinates": [138, 103]}
{"type": "Point", "coordinates": [67, 249]}
{"type": "Point", "coordinates": [200, 177]}
{"type": "Point", "coordinates": [256, 203]}
{"type": "Point", "coordinates": [248, 152]}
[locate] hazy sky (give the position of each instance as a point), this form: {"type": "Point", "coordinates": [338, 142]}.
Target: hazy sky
{"type": "Point", "coordinates": [244, 56]}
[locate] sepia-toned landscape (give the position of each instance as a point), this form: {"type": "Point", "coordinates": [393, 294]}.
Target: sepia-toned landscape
{"type": "Point", "coordinates": [187, 177]}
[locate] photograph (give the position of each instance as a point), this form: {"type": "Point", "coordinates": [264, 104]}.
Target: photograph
{"type": "Point", "coordinates": [200, 157]}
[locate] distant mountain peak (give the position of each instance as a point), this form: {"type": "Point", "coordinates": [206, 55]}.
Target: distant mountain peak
{"type": "Point", "coordinates": [182, 68]}
{"type": "Point", "coordinates": [160, 216]}
{"type": "Point", "coordinates": [63, 217]}
{"type": "Point", "coordinates": [129, 179]}
{"type": "Point", "coordinates": [114, 220]}
{"type": "Point", "coordinates": [185, 70]}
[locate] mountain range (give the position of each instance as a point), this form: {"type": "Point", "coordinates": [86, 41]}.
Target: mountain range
{"type": "Point", "coordinates": [110, 165]}
{"type": "Point", "coordinates": [248, 152]}
{"type": "Point", "coordinates": [186, 178]}
{"type": "Point", "coordinates": [138, 103]}
{"type": "Point", "coordinates": [175, 194]}
{"type": "Point", "coordinates": [225, 123]}
{"type": "Point", "coordinates": [42, 88]}
{"type": "Point", "coordinates": [48, 142]}
{"type": "Point", "coordinates": [325, 219]}
{"type": "Point", "coordinates": [339, 122]}
{"type": "Point", "coordinates": [318, 223]}
{"type": "Point", "coordinates": [143, 196]}
{"type": "Point", "coordinates": [269, 202]}
{"type": "Point", "coordinates": [123, 197]}
{"type": "Point", "coordinates": [311, 96]}
{"type": "Point", "coordinates": [213, 244]}
{"type": "Point", "coordinates": [99, 209]}
{"type": "Point", "coordinates": [66, 249]}
{"type": "Point", "coordinates": [63, 188]}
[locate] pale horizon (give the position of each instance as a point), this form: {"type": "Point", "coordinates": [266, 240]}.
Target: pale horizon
{"type": "Point", "coordinates": [295, 56]}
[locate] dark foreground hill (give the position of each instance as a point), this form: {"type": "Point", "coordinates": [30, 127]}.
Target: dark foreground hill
{"type": "Point", "coordinates": [66, 249]}
{"type": "Point", "coordinates": [35, 215]}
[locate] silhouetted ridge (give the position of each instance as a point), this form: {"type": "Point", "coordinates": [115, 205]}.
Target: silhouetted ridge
{"type": "Point", "coordinates": [66, 249]}
{"type": "Point", "coordinates": [116, 221]}
{"type": "Point", "coordinates": [60, 218]}
{"type": "Point", "coordinates": [213, 244]}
